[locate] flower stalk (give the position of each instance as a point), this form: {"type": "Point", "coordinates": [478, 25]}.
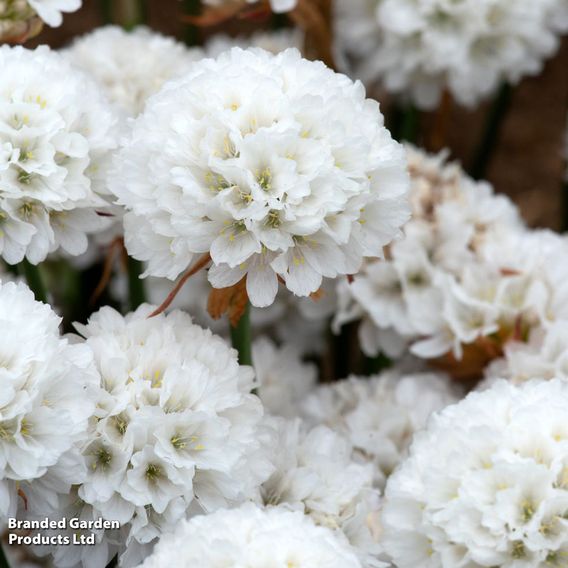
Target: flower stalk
{"type": "Point", "coordinates": [32, 274]}
{"type": "Point", "coordinates": [136, 290]}
{"type": "Point", "coordinates": [241, 337]}
{"type": "Point", "coordinates": [3, 560]}
{"type": "Point", "coordinates": [491, 132]}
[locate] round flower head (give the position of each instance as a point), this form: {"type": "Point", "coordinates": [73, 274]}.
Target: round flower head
{"type": "Point", "coordinates": [56, 131]}
{"type": "Point", "coordinates": [486, 484]}
{"type": "Point", "coordinates": [467, 277]}
{"type": "Point", "coordinates": [315, 474]}
{"type": "Point", "coordinates": [131, 66]}
{"type": "Point", "coordinates": [278, 6]}
{"type": "Point", "coordinates": [419, 48]}
{"type": "Point", "coordinates": [379, 414]}
{"type": "Point", "coordinates": [47, 397]}
{"type": "Point", "coordinates": [284, 379]}
{"type": "Point", "coordinates": [250, 537]}
{"type": "Point", "coordinates": [276, 166]}
{"type": "Point", "coordinates": [177, 428]}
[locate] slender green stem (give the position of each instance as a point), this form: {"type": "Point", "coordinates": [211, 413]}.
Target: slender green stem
{"type": "Point", "coordinates": [565, 207]}
{"type": "Point", "coordinates": [241, 338]}
{"type": "Point", "coordinates": [136, 288]}
{"type": "Point", "coordinates": [374, 365]}
{"type": "Point", "coordinates": [33, 277]}
{"type": "Point", "coordinates": [106, 11]}
{"type": "Point", "coordinates": [191, 8]}
{"type": "Point", "coordinates": [3, 560]}
{"type": "Point", "coordinates": [491, 132]}
{"type": "Point", "coordinates": [410, 124]}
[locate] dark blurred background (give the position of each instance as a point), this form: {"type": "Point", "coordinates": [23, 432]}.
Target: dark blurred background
{"type": "Point", "coordinates": [528, 162]}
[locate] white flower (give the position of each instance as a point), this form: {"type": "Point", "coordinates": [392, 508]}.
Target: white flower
{"type": "Point", "coordinates": [56, 131]}
{"type": "Point", "coordinates": [379, 414]}
{"type": "Point", "coordinates": [250, 537]}
{"type": "Point", "coordinates": [278, 6]}
{"type": "Point", "coordinates": [14, 11]}
{"type": "Point", "coordinates": [467, 277]}
{"type": "Point", "coordinates": [273, 41]}
{"type": "Point", "coordinates": [315, 474]}
{"type": "Point", "coordinates": [419, 48]}
{"type": "Point", "coordinates": [284, 379]}
{"type": "Point", "coordinates": [177, 430]}
{"type": "Point", "coordinates": [46, 398]}
{"type": "Point", "coordinates": [275, 165]}
{"type": "Point", "coordinates": [131, 66]}
{"type": "Point", "coordinates": [543, 356]}
{"type": "Point", "coordinates": [485, 484]}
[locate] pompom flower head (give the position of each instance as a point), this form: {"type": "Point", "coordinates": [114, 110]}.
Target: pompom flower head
{"type": "Point", "coordinates": [316, 474]}
{"type": "Point", "coordinates": [486, 484]}
{"type": "Point", "coordinates": [177, 428]}
{"type": "Point", "coordinates": [250, 537]}
{"type": "Point", "coordinates": [379, 414]}
{"type": "Point", "coordinates": [276, 166]}
{"type": "Point", "coordinates": [419, 48]}
{"type": "Point", "coordinates": [56, 131]}
{"type": "Point", "coordinates": [47, 395]}
{"type": "Point", "coordinates": [131, 66]}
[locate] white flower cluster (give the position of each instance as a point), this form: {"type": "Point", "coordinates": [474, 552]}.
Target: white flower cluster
{"type": "Point", "coordinates": [250, 537]}
{"type": "Point", "coordinates": [48, 392]}
{"type": "Point", "coordinates": [544, 356]}
{"type": "Point", "coordinates": [56, 133]}
{"type": "Point", "coordinates": [177, 430]}
{"type": "Point", "coordinates": [467, 276]}
{"type": "Point", "coordinates": [380, 414]}
{"type": "Point", "coordinates": [12, 11]}
{"type": "Point", "coordinates": [278, 6]}
{"type": "Point", "coordinates": [486, 484]}
{"type": "Point", "coordinates": [315, 474]}
{"type": "Point", "coordinates": [283, 378]}
{"type": "Point", "coordinates": [297, 185]}
{"type": "Point", "coordinates": [419, 48]}
{"type": "Point", "coordinates": [131, 66]}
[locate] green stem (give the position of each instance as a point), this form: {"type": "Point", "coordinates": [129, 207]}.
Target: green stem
{"type": "Point", "coordinates": [126, 13]}
{"type": "Point", "coordinates": [491, 132]}
{"type": "Point", "coordinates": [33, 277]}
{"type": "Point", "coordinates": [565, 207]}
{"type": "Point", "coordinates": [410, 124]}
{"type": "Point", "coordinates": [374, 365]}
{"type": "Point", "coordinates": [241, 338]}
{"type": "Point", "coordinates": [191, 8]}
{"type": "Point", "coordinates": [136, 289]}
{"type": "Point", "coordinates": [3, 560]}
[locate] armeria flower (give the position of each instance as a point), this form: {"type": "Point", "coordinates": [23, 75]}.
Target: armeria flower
{"type": "Point", "coordinates": [273, 41]}
{"type": "Point", "coordinates": [419, 48]}
{"type": "Point", "coordinates": [276, 166]}
{"type": "Point", "coordinates": [131, 66]}
{"type": "Point", "coordinates": [250, 537]}
{"type": "Point", "coordinates": [56, 132]}
{"type": "Point", "coordinates": [284, 379]}
{"type": "Point", "coordinates": [486, 484]}
{"type": "Point", "coordinates": [47, 395]}
{"type": "Point", "coordinates": [467, 277]}
{"type": "Point", "coordinates": [379, 415]}
{"type": "Point", "coordinates": [315, 474]}
{"type": "Point", "coordinates": [278, 6]}
{"type": "Point", "coordinates": [21, 19]}
{"type": "Point", "coordinates": [543, 356]}
{"type": "Point", "coordinates": [177, 429]}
